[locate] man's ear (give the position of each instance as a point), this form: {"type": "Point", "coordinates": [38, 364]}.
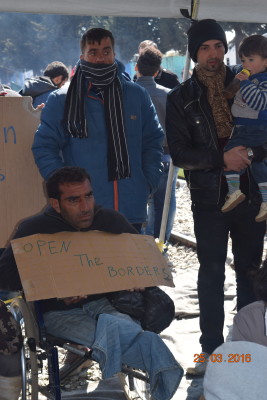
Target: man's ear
{"type": "Point", "coordinates": [54, 203]}
{"type": "Point", "coordinates": [81, 57]}
{"type": "Point", "coordinates": [136, 68]}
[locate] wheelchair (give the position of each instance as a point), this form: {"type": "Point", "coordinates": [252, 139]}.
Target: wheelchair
{"type": "Point", "coordinates": [40, 353]}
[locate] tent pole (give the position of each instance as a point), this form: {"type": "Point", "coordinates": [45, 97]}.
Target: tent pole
{"type": "Point", "coordinates": [165, 213]}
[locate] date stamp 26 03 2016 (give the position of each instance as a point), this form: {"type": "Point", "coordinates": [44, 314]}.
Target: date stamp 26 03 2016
{"type": "Point", "coordinates": [231, 358]}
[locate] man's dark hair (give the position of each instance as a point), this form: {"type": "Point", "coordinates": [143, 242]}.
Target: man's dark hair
{"type": "Point", "coordinates": [95, 35]}
{"type": "Point", "coordinates": [56, 68]}
{"type": "Point", "coordinates": [149, 61]}
{"type": "Point", "coordinates": [260, 282]}
{"type": "Point", "coordinates": [64, 175]}
{"type": "Point", "coordinates": [253, 45]}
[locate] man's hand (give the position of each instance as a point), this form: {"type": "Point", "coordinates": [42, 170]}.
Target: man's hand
{"type": "Point", "coordinates": [40, 106]}
{"type": "Point", "coordinates": [74, 299]}
{"type": "Point", "coordinates": [236, 159]}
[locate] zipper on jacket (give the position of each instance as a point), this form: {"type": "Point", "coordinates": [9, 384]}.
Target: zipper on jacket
{"type": "Point", "coordinates": [189, 104]}
{"type": "Point", "coordinates": [200, 93]}
{"type": "Point", "coordinates": [220, 185]}
{"type": "Point", "coordinates": [249, 186]}
{"type": "Point", "coordinates": [213, 139]}
{"type": "Point", "coordinates": [116, 195]}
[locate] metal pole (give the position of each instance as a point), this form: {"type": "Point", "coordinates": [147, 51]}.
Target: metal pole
{"type": "Point", "coordinates": [165, 213]}
{"type": "Point", "coordinates": [166, 207]}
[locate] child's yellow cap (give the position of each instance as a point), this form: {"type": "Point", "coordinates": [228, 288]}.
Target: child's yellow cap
{"type": "Point", "coordinates": [246, 71]}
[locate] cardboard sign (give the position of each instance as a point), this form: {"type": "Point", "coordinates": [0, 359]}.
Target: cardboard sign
{"type": "Point", "coordinates": [78, 263]}
{"type": "Point", "coordinates": [21, 189]}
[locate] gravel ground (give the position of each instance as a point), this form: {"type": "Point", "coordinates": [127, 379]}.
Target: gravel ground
{"type": "Point", "coordinates": [184, 224]}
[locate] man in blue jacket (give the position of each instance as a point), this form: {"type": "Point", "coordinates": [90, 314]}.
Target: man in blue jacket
{"type": "Point", "coordinates": [107, 125]}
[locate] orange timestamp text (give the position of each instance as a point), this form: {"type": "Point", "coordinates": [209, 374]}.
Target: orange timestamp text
{"type": "Point", "coordinates": [230, 358]}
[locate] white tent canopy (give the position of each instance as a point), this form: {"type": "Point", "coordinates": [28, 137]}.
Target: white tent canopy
{"type": "Point", "coordinates": [222, 10]}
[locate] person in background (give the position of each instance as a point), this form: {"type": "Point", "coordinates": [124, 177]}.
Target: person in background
{"type": "Point", "coordinates": [250, 323]}
{"type": "Point", "coordinates": [164, 77]}
{"type": "Point", "coordinates": [55, 76]}
{"type": "Point", "coordinates": [198, 126]}
{"type": "Point", "coordinates": [236, 372]}
{"type": "Point", "coordinates": [6, 91]}
{"type": "Point", "coordinates": [147, 67]}
{"type": "Point", "coordinates": [106, 124]}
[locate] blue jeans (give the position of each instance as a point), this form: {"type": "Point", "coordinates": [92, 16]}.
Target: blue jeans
{"type": "Point", "coordinates": [116, 339]}
{"type": "Point", "coordinates": [249, 136]}
{"type": "Point", "coordinates": [212, 228]}
{"type": "Point", "coordinates": [156, 204]}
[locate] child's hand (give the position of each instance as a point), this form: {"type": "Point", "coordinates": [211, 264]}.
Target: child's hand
{"type": "Point", "coordinates": [242, 76]}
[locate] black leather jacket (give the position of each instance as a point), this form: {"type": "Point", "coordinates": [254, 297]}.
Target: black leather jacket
{"type": "Point", "coordinates": [193, 142]}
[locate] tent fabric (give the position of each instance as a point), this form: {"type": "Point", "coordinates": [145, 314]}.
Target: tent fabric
{"type": "Point", "coordinates": [226, 10]}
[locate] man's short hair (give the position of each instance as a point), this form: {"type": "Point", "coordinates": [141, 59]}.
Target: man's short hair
{"type": "Point", "coordinates": [254, 44]}
{"type": "Point", "coordinates": [147, 43]}
{"type": "Point", "coordinates": [149, 61]}
{"type": "Point", "coordinates": [56, 68]}
{"type": "Point", "coordinates": [64, 175]}
{"type": "Point", "coordinates": [95, 35]}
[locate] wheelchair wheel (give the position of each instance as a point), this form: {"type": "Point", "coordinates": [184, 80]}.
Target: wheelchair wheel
{"type": "Point", "coordinates": [29, 364]}
{"type": "Point", "coordinates": [142, 388]}
{"type": "Point", "coordinates": [134, 384]}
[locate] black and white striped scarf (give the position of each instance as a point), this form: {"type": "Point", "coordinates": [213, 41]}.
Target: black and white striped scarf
{"type": "Point", "coordinates": [102, 77]}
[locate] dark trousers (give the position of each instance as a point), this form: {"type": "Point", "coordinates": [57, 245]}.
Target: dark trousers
{"type": "Point", "coordinates": [212, 229]}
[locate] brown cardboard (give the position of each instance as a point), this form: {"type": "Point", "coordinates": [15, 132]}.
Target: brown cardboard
{"type": "Point", "coordinates": [21, 190]}
{"type": "Point", "coordinates": [78, 263]}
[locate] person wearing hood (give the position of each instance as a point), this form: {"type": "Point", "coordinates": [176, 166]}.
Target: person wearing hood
{"type": "Point", "coordinates": [107, 125]}
{"type": "Point", "coordinates": [39, 87]}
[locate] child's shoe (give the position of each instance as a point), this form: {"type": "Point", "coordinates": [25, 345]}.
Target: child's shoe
{"type": "Point", "coordinates": [233, 200]}
{"type": "Point", "coordinates": [262, 216]}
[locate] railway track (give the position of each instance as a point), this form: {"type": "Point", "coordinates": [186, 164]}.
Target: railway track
{"type": "Point", "coordinates": [180, 238]}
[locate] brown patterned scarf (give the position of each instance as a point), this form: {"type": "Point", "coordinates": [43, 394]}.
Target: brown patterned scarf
{"type": "Point", "coordinates": [219, 105]}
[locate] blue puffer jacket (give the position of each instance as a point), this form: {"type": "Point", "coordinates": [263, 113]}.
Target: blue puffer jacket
{"type": "Point", "coordinates": [53, 148]}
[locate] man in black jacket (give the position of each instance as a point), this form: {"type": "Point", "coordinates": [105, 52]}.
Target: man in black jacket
{"type": "Point", "coordinates": [198, 125]}
{"type": "Point", "coordinates": [91, 320]}
{"type": "Point", "coordinates": [55, 75]}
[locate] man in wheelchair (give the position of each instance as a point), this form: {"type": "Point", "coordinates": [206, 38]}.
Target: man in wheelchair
{"type": "Point", "coordinates": [115, 338]}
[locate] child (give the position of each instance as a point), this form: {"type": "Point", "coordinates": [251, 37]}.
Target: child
{"type": "Point", "coordinates": [250, 118]}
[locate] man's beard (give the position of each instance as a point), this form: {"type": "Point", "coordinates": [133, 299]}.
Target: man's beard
{"type": "Point", "coordinates": [213, 67]}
